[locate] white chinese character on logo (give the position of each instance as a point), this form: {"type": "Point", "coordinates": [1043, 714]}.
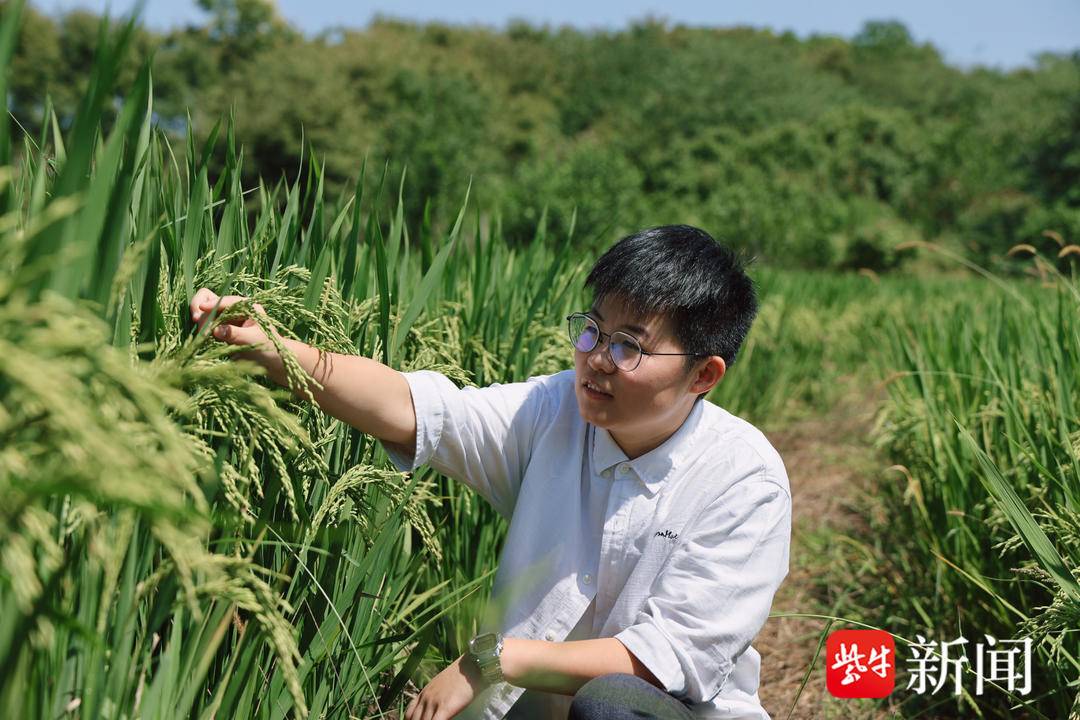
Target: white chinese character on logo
{"type": "Point", "coordinates": [931, 662]}
{"type": "Point", "coordinates": [879, 661]}
{"type": "Point", "coordinates": [852, 660]}
{"type": "Point", "coordinates": [1002, 665]}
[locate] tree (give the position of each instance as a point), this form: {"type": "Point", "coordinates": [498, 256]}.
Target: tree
{"type": "Point", "coordinates": [242, 28]}
{"type": "Point", "coordinates": [1055, 165]}
{"type": "Point", "coordinates": [883, 36]}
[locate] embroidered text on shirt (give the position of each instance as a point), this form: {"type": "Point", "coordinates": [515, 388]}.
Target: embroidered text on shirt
{"type": "Point", "coordinates": [667, 534]}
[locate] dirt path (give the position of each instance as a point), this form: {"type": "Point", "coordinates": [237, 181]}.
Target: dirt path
{"type": "Point", "coordinates": [828, 459]}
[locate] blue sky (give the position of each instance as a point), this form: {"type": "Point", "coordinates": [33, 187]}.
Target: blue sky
{"type": "Point", "coordinates": [968, 32]}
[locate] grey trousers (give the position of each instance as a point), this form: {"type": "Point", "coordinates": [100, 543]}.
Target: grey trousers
{"type": "Point", "coordinates": [619, 696]}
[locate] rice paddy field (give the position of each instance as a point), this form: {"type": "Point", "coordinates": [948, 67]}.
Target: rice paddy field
{"type": "Point", "coordinates": [181, 538]}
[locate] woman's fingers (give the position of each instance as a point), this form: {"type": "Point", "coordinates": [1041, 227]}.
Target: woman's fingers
{"type": "Point", "coordinates": [241, 334]}
{"type": "Point", "coordinates": [213, 300]}
{"type": "Point", "coordinates": [205, 302]}
{"type": "Point", "coordinates": [203, 294]}
{"type": "Point", "coordinates": [239, 330]}
{"type": "Point", "coordinates": [201, 297]}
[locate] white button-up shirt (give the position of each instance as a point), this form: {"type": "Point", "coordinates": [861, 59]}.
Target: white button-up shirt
{"type": "Point", "coordinates": [677, 553]}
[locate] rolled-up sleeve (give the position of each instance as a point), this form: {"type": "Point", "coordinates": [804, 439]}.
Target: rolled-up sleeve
{"type": "Point", "coordinates": [714, 593]}
{"type": "Point", "coordinates": [482, 437]}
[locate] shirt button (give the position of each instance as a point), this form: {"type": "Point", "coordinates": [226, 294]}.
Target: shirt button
{"type": "Point", "coordinates": [549, 635]}
{"type": "Point", "coordinates": [624, 469]}
{"type": "Point", "coordinates": [587, 579]}
{"type": "Point", "coordinates": [606, 473]}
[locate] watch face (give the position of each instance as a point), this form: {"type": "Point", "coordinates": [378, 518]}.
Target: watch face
{"type": "Point", "coordinates": [483, 643]}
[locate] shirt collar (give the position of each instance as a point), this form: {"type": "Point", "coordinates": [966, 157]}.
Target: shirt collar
{"type": "Point", "coordinates": [655, 466]}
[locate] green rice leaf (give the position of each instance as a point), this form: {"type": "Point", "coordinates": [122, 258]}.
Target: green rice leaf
{"type": "Point", "coordinates": [1020, 517]}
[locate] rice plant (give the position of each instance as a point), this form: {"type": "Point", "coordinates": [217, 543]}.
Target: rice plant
{"type": "Point", "coordinates": [975, 530]}
{"type": "Point", "coordinates": [182, 537]}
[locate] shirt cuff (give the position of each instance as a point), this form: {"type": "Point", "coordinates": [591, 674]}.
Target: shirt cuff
{"type": "Point", "coordinates": [649, 645]}
{"type": "Point", "coordinates": [427, 400]}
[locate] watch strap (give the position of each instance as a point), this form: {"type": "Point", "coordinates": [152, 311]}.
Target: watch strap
{"type": "Point", "coordinates": [489, 660]}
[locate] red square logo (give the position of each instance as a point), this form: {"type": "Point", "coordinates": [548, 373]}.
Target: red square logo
{"type": "Point", "coordinates": [860, 663]}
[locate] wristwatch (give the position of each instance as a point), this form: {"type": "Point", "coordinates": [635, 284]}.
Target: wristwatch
{"type": "Point", "coordinates": [485, 649]}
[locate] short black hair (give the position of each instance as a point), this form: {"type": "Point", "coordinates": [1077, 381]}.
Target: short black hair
{"type": "Point", "coordinates": [681, 272]}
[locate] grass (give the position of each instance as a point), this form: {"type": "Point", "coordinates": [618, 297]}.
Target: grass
{"type": "Point", "coordinates": [973, 531]}
{"type": "Point", "coordinates": [181, 538]}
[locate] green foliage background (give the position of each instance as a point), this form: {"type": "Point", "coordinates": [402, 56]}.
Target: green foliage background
{"type": "Point", "coordinates": [823, 152]}
{"type": "Point", "coordinates": [179, 537]}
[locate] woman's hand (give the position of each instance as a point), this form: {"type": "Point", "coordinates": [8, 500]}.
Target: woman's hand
{"type": "Point", "coordinates": [448, 693]}
{"type": "Point", "coordinates": [240, 330]}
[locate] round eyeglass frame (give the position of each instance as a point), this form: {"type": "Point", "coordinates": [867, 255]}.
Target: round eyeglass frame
{"type": "Point", "coordinates": [600, 334]}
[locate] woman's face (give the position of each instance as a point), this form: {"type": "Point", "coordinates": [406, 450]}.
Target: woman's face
{"type": "Point", "coordinates": [643, 407]}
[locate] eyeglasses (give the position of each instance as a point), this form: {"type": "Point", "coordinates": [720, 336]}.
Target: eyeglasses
{"type": "Point", "coordinates": [623, 349]}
